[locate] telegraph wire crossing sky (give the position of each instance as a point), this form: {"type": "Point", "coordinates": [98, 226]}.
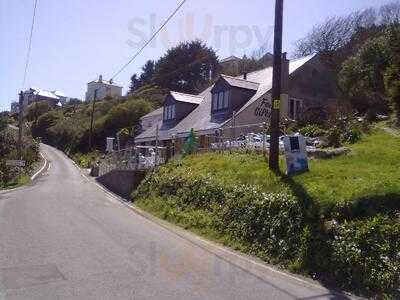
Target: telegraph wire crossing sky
{"type": "Point", "coordinates": [75, 41]}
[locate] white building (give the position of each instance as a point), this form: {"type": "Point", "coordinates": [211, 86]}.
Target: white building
{"type": "Point", "coordinates": [102, 89]}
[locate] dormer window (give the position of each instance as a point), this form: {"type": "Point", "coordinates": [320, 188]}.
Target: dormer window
{"type": "Point", "coordinates": [220, 100]}
{"type": "Point", "coordinates": [169, 112]}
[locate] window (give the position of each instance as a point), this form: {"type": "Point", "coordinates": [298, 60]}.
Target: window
{"type": "Point", "coordinates": [215, 101]}
{"type": "Point", "coordinates": [220, 101]}
{"type": "Point", "coordinates": [169, 112]}
{"type": "Point", "coordinates": [294, 109]}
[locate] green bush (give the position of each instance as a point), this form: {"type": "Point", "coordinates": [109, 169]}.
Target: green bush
{"type": "Point", "coordinates": [334, 137]}
{"type": "Point", "coordinates": [366, 254]}
{"type": "Point", "coordinates": [312, 130]}
{"type": "Point", "coordinates": [353, 133]}
{"type": "Point", "coordinates": [280, 227]}
{"type": "Point", "coordinates": [271, 222]}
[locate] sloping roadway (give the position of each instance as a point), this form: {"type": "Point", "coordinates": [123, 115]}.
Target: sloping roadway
{"type": "Point", "coordinates": [62, 237]}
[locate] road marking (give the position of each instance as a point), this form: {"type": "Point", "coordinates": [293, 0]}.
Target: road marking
{"type": "Point", "coordinates": [41, 169]}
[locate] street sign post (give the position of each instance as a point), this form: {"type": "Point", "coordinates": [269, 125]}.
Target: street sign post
{"type": "Point", "coordinates": [15, 163]}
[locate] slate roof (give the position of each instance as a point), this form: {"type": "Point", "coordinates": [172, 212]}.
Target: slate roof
{"type": "Point", "coordinates": [200, 118]}
{"type": "Point", "coordinates": [181, 97]}
{"type": "Point", "coordinates": [241, 83]}
{"type": "Point", "coordinates": [156, 112]}
{"type": "Point", "coordinates": [230, 58]}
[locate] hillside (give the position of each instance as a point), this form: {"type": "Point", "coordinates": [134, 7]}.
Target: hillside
{"type": "Point", "coordinates": [330, 223]}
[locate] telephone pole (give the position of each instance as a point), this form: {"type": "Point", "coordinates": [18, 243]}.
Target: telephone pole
{"type": "Point", "coordinates": [91, 119]}
{"type": "Point", "coordinates": [20, 123]}
{"type": "Point", "coordinates": [276, 88]}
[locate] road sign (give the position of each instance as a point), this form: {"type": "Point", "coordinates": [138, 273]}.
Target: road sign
{"type": "Point", "coordinates": [15, 163]}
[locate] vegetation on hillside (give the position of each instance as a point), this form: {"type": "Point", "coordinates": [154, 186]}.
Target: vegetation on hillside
{"type": "Point", "coordinates": [11, 176]}
{"type": "Point", "coordinates": [337, 222]}
{"type": "Point", "coordinates": [69, 130]}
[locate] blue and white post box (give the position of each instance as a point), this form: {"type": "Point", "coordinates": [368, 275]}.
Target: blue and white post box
{"type": "Point", "coordinates": [296, 153]}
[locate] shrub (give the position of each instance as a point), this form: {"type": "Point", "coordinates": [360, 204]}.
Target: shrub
{"type": "Point", "coordinates": [366, 254]}
{"type": "Point", "coordinates": [312, 130]}
{"type": "Point", "coordinates": [353, 133]}
{"type": "Point", "coordinates": [334, 137]}
{"type": "Point", "coordinates": [272, 222]}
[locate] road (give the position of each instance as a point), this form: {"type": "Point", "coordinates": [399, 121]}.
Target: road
{"type": "Point", "coordinates": [62, 237]}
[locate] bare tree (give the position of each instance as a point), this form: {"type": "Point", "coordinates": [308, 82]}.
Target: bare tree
{"type": "Point", "coordinates": [335, 33]}
{"type": "Point", "coordinates": [390, 13]}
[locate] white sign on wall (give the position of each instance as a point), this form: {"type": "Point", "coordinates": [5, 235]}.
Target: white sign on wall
{"type": "Point", "coordinates": [15, 163]}
{"type": "Point", "coordinates": [296, 154]}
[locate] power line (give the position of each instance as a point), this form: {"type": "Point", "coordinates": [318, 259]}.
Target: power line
{"type": "Point", "coordinates": [29, 44]}
{"type": "Point", "coordinates": [151, 38]}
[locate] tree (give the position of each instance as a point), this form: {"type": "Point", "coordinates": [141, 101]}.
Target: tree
{"type": "Point", "coordinates": [44, 122]}
{"type": "Point", "coordinates": [334, 33]}
{"type": "Point", "coordinates": [187, 67]}
{"type": "Point", "coordinates": [369, 77]}
{"type": "Point", "coordinates": [390, 13]}
{"type": "Point", "coordinates": [146, 77]}
{"type": "Point", "coordinates": [3, 122]}
{"type": "Point", "coordinates": [36, 109]}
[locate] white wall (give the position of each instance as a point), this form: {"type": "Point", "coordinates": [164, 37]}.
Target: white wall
{"type": "Point", "coordinates": [103, 90]}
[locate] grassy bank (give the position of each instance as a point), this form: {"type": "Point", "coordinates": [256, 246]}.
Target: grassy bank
{"type": "Point", "coordinates": [337, 223]}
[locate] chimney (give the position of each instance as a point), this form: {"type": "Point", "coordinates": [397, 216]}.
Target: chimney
{"type": "Point", "coordinates": [285, 73]}
{"type": "Point", "coordinates": [245, 75]}
{"type": "Point", "coordinates": [111, 81]}
{"type": "Point", "coordinates": [100, 78]}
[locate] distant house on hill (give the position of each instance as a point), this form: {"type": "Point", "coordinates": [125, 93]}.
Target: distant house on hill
{"type": "Point", "coordinates": [243, 102]}
{"type": "Point", "coordinates": [102, 88]}
{"type": "Point", "coordinates": [231, 63]}
{"type": "Point", "coordinates": [35, 94]}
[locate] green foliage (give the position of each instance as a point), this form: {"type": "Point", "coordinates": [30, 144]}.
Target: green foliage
{"type": "Point", "coordinates": [334, 137]}
{"type": "Point", "coordinates": [370, 77]}
{"type": "Point", "coordinates": [126, 114]}
{"type": "Point", "coordinates": [228, 198]}
{"type": "Point", "coordinates": [312, 130]}
{"type": "Point", "coordinates": [3, 122]}
{"type": "Point", "coordinates": [36, 109]}
{"type": "Point", "coordinates": [392, 84]}
{"type": "Point", "coordinates": [44, 122]}
{"type": "Point", "coordinates": [365, 254]}
{"type": "Point", "coordinates": [186, 67]}
{"type": "Point", "coordinates": [85, 160]}
{"type": "Point", "coordinates": [14, 176]}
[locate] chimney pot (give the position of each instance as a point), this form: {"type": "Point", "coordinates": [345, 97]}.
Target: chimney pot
{"type": "Point", "coordinates": [101, 78]}
{"type": "Point", "coordinates": [245, 76]}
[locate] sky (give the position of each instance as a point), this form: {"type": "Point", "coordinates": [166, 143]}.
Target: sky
{"type": "Point", "coordinates": [76, 40]}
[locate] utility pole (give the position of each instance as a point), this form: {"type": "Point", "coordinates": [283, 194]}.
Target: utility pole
{"type": "Point", "coordinates": [276, 88]}
{"type": "Point", "coordinates": [20, 123]}
{"type": "Point", "coordinates": [91, 119]}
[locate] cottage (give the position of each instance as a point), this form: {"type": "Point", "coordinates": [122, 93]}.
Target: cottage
{"type": "Point", "coordinates": [242, 103]}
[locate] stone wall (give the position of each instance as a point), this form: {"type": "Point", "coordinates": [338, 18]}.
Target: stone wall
{"type": "Point", "coordinates": [122, 182]}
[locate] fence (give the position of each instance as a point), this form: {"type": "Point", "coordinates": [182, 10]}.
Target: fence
{"type": "Point", "coordinates": [133, 158]}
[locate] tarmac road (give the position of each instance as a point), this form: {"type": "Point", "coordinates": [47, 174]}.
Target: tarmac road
{"type": "Point", "coordinates": [62, 237]}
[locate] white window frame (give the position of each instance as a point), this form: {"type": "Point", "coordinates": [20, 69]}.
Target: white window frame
{"type": "Point", "coordinates": [297, 108]}
{"type": "Point", "coordinates": [169, 112]}
{"type": "Point", "coordinates": [226, 99]}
